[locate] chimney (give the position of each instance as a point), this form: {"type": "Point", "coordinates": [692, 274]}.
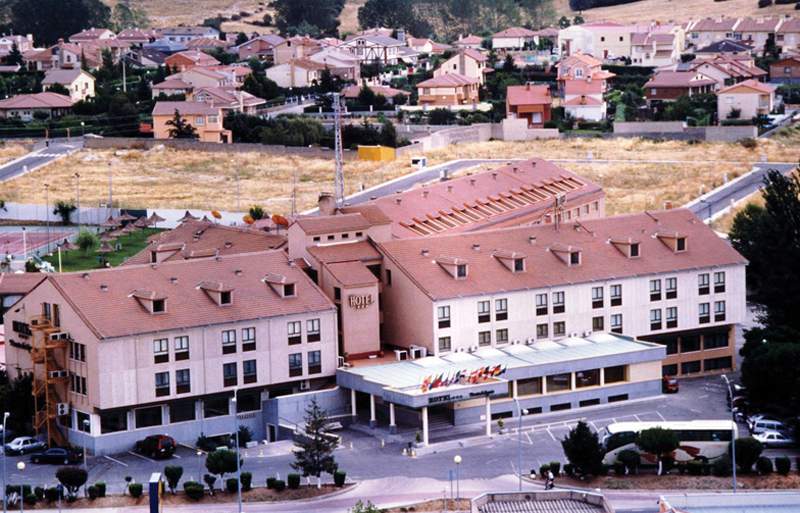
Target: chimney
{"type": "Point", "coordinates": [425, 194]}
{"type": "Point", "coordinates": [472, 181]}
{"type": "Point", "coordinates": [398, 200]}
{"type": "Point", "coordinates": [237, 272]}
{"type": "Point", "coordinates": [449, 188]}
{"type": "Point", "coordinates": [326, 204]}
{"type": "Point", "coordinates": [532, 239]}
{"type": "Point", "coordinates": [476, 247]}
{"type": "Point", "coordinates": [424, 252]}
{"type": "Point", "coordinates": [173, 280]}
{"type": "Point", "coordinates": [103, 287]}
{"type": "Point", "coordinates": [494, 175]}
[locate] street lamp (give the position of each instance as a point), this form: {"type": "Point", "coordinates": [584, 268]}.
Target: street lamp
{"type": "Point", "coordinates": [87, 429]}
{"type": "Point", "coordinates": [21, 467]}
{"type": "Point", "coordinates": [238, 466]}
{"type": "Point", "coordinates": [47, 212]}
{"type": "Point", "coordinates": [520, 413]}
{"type": "Point", "coordinates": [457, 461]}
{"type": "Point", "coordinates": [733, 432]}
{"type": "Point", "coordinates": [5, 418]}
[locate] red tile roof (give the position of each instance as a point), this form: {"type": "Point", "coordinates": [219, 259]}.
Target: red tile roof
{"type": "Point", "coordinates": [449, 80]}
{"type": "Point", "coordinates": [714, 25]}
{"type": "Point", "coordinates": [790, 25]}
{"type": "Point", "coordinates": [352, 91]}
{"type": "Point", "coordinates": [583, 100]}
{"type": "Point", "coordinates": [19, 283]}
{"type": "Point", "coordinates": [528, 95]}
{"type": "Point", "coordinates": [111, 311]}
{"type": "Point", "coordinates": [753, 85]}
{"type": "Point", "coordinates": [351, 274]}
{"type": "Point", "coordinates": [514, 32]}
{"type": "Point", "coordinates": [184, 108]}
{"type": "Point", "coordinates": [468, 40]}
{"type": "Point", "coordinates": [758, 24]}
{"type": "Point", "coordinates": [678, 79]}
{"type": "Point", "coordinates": [44, 100]}
{"type": "Point", "coordinates": [344, 252]}
{"type": "Point", "coordinates": [318, 225]}
{"type": "Point", "coordinates": [599, 259]}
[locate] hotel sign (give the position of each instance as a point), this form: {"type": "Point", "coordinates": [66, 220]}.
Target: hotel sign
{"type": "Point", "coordinates": [359, 301]}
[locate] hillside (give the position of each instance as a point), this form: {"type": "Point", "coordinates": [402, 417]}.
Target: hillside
{"type": "Point", "coordinates": [673, 10]}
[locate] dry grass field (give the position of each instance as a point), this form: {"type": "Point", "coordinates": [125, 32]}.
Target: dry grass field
{"type": "Point", "coordinates": [11, 151]}
{"type": "Point", "coordinates": [673, 10]}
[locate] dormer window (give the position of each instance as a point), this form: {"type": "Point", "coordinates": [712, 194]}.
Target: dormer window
{"type": "Point", "coordinates": [220, 293]}
{"type": "Point", "coordinates": [280, 284]}
{"type": "Point", "coordinates": [288, 290]}
{"type": "Point", "coordinates": [225, 297]}
{"type": "Point", "coordinates": [575, 258]}
{"type": "Point", "coordinates": [159, 306]}
{"type": "Point", "coordinates": [455, 267]}
{"type": "Point", "coordinates": [461, 271]}
{"type": "Point", "coordinates": [519, 265]}
{"type": "Point", "coordinates": [633, 252]}
{"type": "Point", "coordinates": [628, 247]}
{"type": "Point", "coordinates": [570, 255]}
{"type": "Point", "coordinates": [154, 302]}
{"type": "Point", "coordinates": [514, 261]}
{"type": "Point", "coordinates": [674, 241]}
{"type": "Point", "coordinates": [680, 244]}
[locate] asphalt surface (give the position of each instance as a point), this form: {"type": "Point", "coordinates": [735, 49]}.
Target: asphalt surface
{"type": "Point", "coordinates": [43, 153]}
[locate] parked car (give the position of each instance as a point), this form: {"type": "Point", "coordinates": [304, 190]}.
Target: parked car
{"type": "Point", "coordinates": [156, 446]}
{"type": "Point", "coordinates": [24, 445]}
{"type": "Point", "coordinates": [767, 424]}
{"type": "Point", "coordinates": [669, 385]}
{"type": "Point", "coordinates": [774, 439]}
{"type": "Point", "coordinates": [57, 456]}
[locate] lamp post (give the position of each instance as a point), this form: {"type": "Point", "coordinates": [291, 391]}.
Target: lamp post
{"type": "Point", "coordinates": [78, 197]}
{"type": "Point", "coordinates": [87, 426]}
{"type": "Point", "coordinates": [457, 461]}
{"type": "Point", "coordinates": [520, 413]}
{"type": "Point", "coordinates": [21, 467]}
{"type": "Point", "coordinates": [47, 212]}
{"type": "Point", "coordinates": [238, 466]}
{"type": "Point", "coordinates": [733, 432]}
{"type": "Point", "coordinates": [5, 418]}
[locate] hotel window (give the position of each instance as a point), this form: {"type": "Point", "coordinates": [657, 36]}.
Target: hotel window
{"type": "Point", "coordinates": [529, 386]}
{"type": "Point", "coordinates": [225, 297]}
{"type": "Point", "coordinates": [719, 311]}
{"type": "Point", "coordinates": [705, 313]}
{"type": "Point", "coordinates": [484, 338]}
{"type": "Point", "coordinates": [249, 400]}
{"type": "Point", "coordinates": [655, 290]}
{"type": "Point", "coordinates": [616, 323]}
{"type": "Point", "coordinates": [288, 290]}
{"type": "Point", "coordinates": [294, 332]}
{"type": "Point", "coordinates": [314, 362]}
{"type": "Point", "coordinates": [249, 371]}
{"type": "Point", "coordinates": [445, 344]}
{"type": "Point", "coordinates": [615, 374]}
{"type": "Point", "coordinates": [597, 297]}
{"type": "Point", "coordinates": [519, 265]}
{"type": "Point", "coordinates": [160, 350]}
{"type": "Point", "coordinates": [655, 319]}
{"type": "Point", "coordinates": [461, 271]}
{"type": "Point", "coordinates": [443, 314]}
{"type": "Point", "coordinates": [559, 382]}
{"type": "Point", "coordinates": [587, 378]}
{"type": "Point", "coordinates": [182, 381]}
{"type": "Point", "coordinates": [598, 323]}
{"type": "Point", "coordinates": [575, 257]}
{"type": "Point", "coordinates": [690, 367]}
{"type": "Point", "coordinates": [145, 417]}
{"type": "Point", "coordinates": [316, 239]}
{"type": "Point", "coordinates": [162, 384]}
{"type": "Point", "coordinates": [337, 294]}
{"type": "Point", "coordinates": [229, 378]}
{"type": "Point", "coordinates": [228, 341]}
{"type": "Point", "coordinates": [559, 329]}
{"type": "Point", "coordinates": [690, 343]}
{"type": "Point", "coordinates": [295, 364]}
{"type": "Point", "coordinates": [680, 244]}
{"type": "Point", "coordinates": [715, 340]}
{"type": "Point", "coordinates": [541, 331]}
{"type": "Point", "coordinates": [724, 362]}
{"type": "Point", "coordinates": [181, 348]}
{"type": "Point", "coordinates": [616, 295]}
{"type": "Point", "coordinates": [502, 336]}
{"type": "Point", "coordinates": [719, 281]}
{"type": "Point", "coordinates": [541, 304]}
{"type": "Point", "coordinates": [216, 406]}
{"type": "Point", "coordinates": [248, 339]}
{"type": "Point", "coordinates": [672, 288]}
{"type": "Point", "coordinates": [702, 284]}
{"type": "Point", "coordinates": [114, 421]}
{"type": "Point", "coordinates": [500, 309]}
{"type": "Point", "coordinates": [672, 317]}
{"type": "Point", "coordinates": [159, 306]}
{"type": "Point", "coordinates": [484, 311]}
{"type": "Point", "coordinates": [312, 330]}
{"type": "Point", "coordinates": [558, 302]}
{"type": "Point", "coordinates": [77, 351]}
{"type": "Point", "coordinates": [633, 250]}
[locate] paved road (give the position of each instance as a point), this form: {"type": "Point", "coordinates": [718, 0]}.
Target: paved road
{"type": "Point", "coordinates": [42, 154]}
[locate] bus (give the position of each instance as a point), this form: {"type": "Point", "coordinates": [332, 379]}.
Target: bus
{"type": "Point", "coordinates": [704, 440]}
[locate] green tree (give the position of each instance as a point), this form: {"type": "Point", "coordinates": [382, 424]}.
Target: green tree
{"type": "Point", "coordinates": [241, 38]}
{"type": "Point", "coordinates": [388, 135]}
{"type": "Point", "coordinates": [659, 442]}
{"type": "Point", "coordinates": [748, 451]}
{"type": "Point", "coordinates": [578, 20]}
{"type": "Point", "coordinates": [173, 473]}
{"type": "Point", "coordinates": [72, 478]}
{"type": "Point", "coordinates": [49, 20]}
{"type": "Point", "coordinates": [398, 14]}
{"type": "Point", "coordinates": [64, 210]}
{"type": "Point", "coordinates": [58, 89]}
{"type": "Point", "coordinates": [256, 212]}
{"type": "Point", "coordinates": [87, 241]}
{"type": "Point", "coordinates": [583, 449]}
{"type": "Point", "coordinates": [181, 129]}
{"type": "Point", "coordinates": [14, 57]}
{"type": "Point", "coordinates": [221, 462]}
{"type": "Point", "coordinates": [123, 16]}
{"type": "Point", "coordinates": [291, 16]}
{"type": "Point", "coordinates": [563, 22]}
{"type": "Point", "coordinates": [314, 454]}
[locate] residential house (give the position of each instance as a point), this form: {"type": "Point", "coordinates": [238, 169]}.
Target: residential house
{"type": "Point", "coordinates": [514, 38]}
{"type": "Point", "coordinates": [261, 48]}
{"type": "Point", "coordinates": [91, 35]}
{"type": "Point", "coordinates": [788, 35]}
{"type": "Point", "coordinates": [183, 83]}
{"type": "Point", "coordinates": [341, 64]}
{"type": "Point", "coordinates": [165, 46]}
{"type": "Point", "coordinates": [746, 100]}
{"type": "Point", "coordinates": [727, 71]}
{"type": "Point", "coordinates": [298, 47]}
{"type": "Point", "coordinates": [206, 119]}
{"type": "Point", "coordinates": [785, 71]}
{"type": "Point", "coordinates": [428, 46]}
{"type": "Point", "coordinates": [174, 86]}
{"type": "Point", "coordinates": [756, 31]}
{"type": "Point", "coordinates": [208, 43]}
{"type": "Point", "coordinates": [447, 90]}
{"type": "Point", "coordinates": [229, 100]}
{"type": "Point", "coordinates": [63, 55]}
{"type": "Point", "coordinates": [655, 49]}
{"type": "Point", "coordinates": [351, 92]}
{"type": "Point", "coordinates": [26, 106]}
{"type": "Point", "coordinates": [23, 44]}
{"type": "Point", "coordinates": [79, 83]}
{"type": "Point", "coordinates": [467, 62]}
{"type": "Point", "coordinates": [186, 34]}
{"type": "Point", "coordinates": [145, 58]}
{"type": "Point", "coordinates": [187, 59]}
{"type": "Point", "coordinates": [725, 48]}
{"type": "Point", "coordinates": [469, 41]}
{"type": "Point", "coordinates": [136, 37]}
{"type": "Point", "coordinates": [529, 102]}
{"type": "Point", "coordinates": [368, 49]}
{"type": "Point", "coordinates": [703, 32]}
{"type": "Point", "coordinates": [668, 86]}
{"type": "Point", "coordinates": [235, 73]}
{"type": "Point", "coordinates": [582, 84]}
{"type": "Point", "coordinates": [296, 73]}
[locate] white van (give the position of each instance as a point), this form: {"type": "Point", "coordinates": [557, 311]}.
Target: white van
{"type": "Point", "coordinates": [762, 425]}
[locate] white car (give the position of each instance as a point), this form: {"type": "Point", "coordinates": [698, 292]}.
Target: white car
{"type": "Point", "coordinates": [23, 445]}
{"type": "Point", "coordinates": [763, 425]}
{"type": "Point", "coordinates": [774, 439]}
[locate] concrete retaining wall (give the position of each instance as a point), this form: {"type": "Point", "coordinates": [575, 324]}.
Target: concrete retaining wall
{"type": "Point", "coordinates": [678, 130]}
{"type": "Point", "coordinates": [646, 127]}
{"type": "Point", "coordinates": [730, 133]}
{"type": "Point", "coordinates": [514, 129]}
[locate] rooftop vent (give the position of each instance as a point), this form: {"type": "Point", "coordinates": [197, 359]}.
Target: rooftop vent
{"type": "Point", "coordinates": [173, 280]}
{"type": "Point", "coordinates": [425, 194]}
{"type": "Point", "coordinates": [237, 272]}
{"type": "Point", "coordinates": [514, 169]}
{"type": "Point", "coordinates": [104, 287]}
{"type": "Point", "coordinates": [449, 188]}
{"type": "Point", "coordinates": [472, 181]}
{"type": "Point", "coordinates": [424, 252]}
{"type": "Point", "coordinates": [398, 200]}
{"type": "Point", "coordinates": [228, 244]}
{"type": "Point", "coordinates": [85, 276]}
{"type": "Point", "coordinates": [494, 175]}
{"type": "Point", "coordinates": [532, 239]}
{"type": "Point", "coordinates": [476, 247]}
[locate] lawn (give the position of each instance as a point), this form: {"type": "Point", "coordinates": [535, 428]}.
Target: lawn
{"type": "Point", "coordinates": [77, 260]}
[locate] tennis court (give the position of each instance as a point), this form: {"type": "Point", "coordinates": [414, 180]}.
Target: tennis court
{"type": "Point", "coordinates": [16, 242]}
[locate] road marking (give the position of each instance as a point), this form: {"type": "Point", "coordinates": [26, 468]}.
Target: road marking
{"type": "Point", "coordinates": [659, 414]}
{"type": "Point", "coordinates": [593, 426]}
{"type": "Point", "coordinates": [551, 434]}
{"type": "Point", "coordinates": [116, 461]}
{"type": "Point", "coordinates": [529, 438]}
{"type": "Point", "coordinates": [176, 456]}
{"type": "Point", "coordinates": [141, 456]}
{"type": "Point", "coordinates": [636, 417]}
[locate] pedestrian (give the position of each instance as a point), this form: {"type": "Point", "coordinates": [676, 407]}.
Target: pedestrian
{"type": "Point", "coordinates": [550, 483]}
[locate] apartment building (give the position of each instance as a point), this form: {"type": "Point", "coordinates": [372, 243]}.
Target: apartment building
{"type": "Point", "coordinates": [146, 349]}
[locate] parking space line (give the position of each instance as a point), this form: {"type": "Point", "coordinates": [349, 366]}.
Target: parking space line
{"type": "Point", "coordinates": [659, 414]}
{"type": "Point", "coordinates": [529, 438]}
{"type": "Point", "coordinates": [176, 456]}
{"type": "Point", "coordinates": [636, 417]}
{"type": "Point", "coordinates": [142, 457]}
{"type": "Point", "coordinates": [591, 423]}
{"type": "Point", "coordinates": [116, 461]}
{"type": "Point", "coordinates": [551, 434]}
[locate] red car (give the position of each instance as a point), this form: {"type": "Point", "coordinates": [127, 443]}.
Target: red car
{"type": "Point", "coordinates": [156, 446]}
{"type": "Point", "coordinates": [669, 385]}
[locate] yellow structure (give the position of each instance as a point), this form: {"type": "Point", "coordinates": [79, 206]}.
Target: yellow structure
{"type": "Point", "coordinates": [376, 153]}
{"type": "Point", "coordinates": [50, 377]}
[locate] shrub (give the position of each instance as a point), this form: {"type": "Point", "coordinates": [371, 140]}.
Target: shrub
{"type": "Point", "coordinates": [569, 470]}
{"type": "Point", "coordinates": [619, 468]}
{"type": "Point", "coordinates": [232, 485]}
{"type": "Point", "coordinates": [245, 435]}
{"type": "Point", "coordinates": [51, 494]}
{"type": "Point", "coordinates": [749, 143]}
{"type": "Point", "coordinates": [135, 490]}
{"type": "Point", "coordinates": [293, 480]}
{"type": "Point", "coordinates": [30, 499]}
{"type": "Point", "coordinates": [555, 468]}
{"type": "Point", "coordinates": [279, 485]}
{"type": "Point", "coordinates": [72, 478]}
{"type": "Point", "coordinates": [173, 474]}
{"type": "Point", "coordinates": [247, 481]}
{"type": "Point", "coordinates": [92, 491]}
{"type": "Point", "coordinates": [764, 465]}
{"type": "Point", "coordinates": [544, 469]}
{"type": "Point", "coordinates": [39, 492]}
{"type": "Point", "coordinates": [695, 468]}
{"type": "Point", "coordinates": [722, 467]}
{"type": "Point", "coordinates": [193, 490]}
{"type": "Point", "coordinates": [210, 480]}
{"type": "Point", "coordinates": [339, 478]}
{"type": "Point", "coordinates": [271, 482]}
{"type": "Point", "coordinates": [764, 3]}
{"type": "Point", "coordinates": [12, 489]}
{"type": "Point", "coordinates": [101, 488]}
{"type": "Point", "coordinates": [747, 452]}
{"type": "Point", "coordinates": [783, 465]}
{"type": "Point", "coordinates": [630, 459]}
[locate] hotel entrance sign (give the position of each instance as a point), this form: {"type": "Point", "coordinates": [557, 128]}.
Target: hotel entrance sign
{"type": "Point", "coordinates": [359, 301]}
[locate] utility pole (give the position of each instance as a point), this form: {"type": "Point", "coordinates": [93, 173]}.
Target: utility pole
{"type": "Point", "coordinates": [337, 148]}
{"type": "Point", "coordinates": [47, 212]}
{"type": "Point", "coordinates": [78, 197]}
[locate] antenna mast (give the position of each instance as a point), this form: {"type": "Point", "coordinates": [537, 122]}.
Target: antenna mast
{"type": "Point", "coordinates": [337, 148]}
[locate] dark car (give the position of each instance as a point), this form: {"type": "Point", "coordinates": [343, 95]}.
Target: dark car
{"type": "Point", "coordinates": [57, 456]}
{"type": "Point", "coordinates": [669, 385]}
{"type": "Point", "coordinates": [156, 446]}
